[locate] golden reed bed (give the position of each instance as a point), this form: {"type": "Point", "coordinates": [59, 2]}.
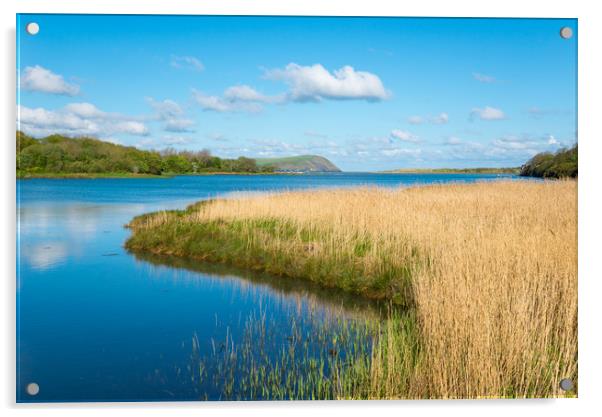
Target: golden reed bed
{"type": "Point", "coordinates": [494, 292]}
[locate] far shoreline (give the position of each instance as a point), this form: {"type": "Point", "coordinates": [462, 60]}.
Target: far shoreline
{"type": "Point", "coordinates": [125, 175]}
{"type": "Point", "coordinates": [119, 175]}
{"type": "Point", "coordinates": [514, 171]}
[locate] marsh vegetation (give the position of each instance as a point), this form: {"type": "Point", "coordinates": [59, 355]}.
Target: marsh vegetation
{"type": "Point", "coordinates": [487, 274]}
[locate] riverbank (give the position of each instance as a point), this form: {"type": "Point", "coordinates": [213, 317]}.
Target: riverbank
{"type": "Point", "coordinates": [454, 171]}
{"type": "Point", "coordinates": [50, 175]}
{"type": "Point", "coordinates": [126, 175]}
{"type": "Point", "coordinates": [489, 271]}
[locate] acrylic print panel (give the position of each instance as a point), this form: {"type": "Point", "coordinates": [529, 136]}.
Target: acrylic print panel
{"type": "Point", "coordinates": [314, 208]}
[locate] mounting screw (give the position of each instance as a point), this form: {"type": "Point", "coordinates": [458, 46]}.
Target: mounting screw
{"type": "Point", "coordinates": [566, 384]}
{"type": "Point", "coordinates": [566, 33]}
{"type": "Point", "coordinates": [33, 388]}
{"type": "Point", "coordinates": [32, 28]}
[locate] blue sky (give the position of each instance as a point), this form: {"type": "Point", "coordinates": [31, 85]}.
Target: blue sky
{"type": "Point", "coordinates": [367, 93]}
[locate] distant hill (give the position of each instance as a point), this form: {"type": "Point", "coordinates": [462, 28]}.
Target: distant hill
{"type": "Point", "coordinates": [561, 164]}
{"type": "Point", "coordinates": [301, 163]}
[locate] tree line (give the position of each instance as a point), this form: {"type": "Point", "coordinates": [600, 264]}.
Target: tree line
{"type": "Point", "coordinates": [57, 154]}
{"type": "Point", "coordinates": [562, 164]}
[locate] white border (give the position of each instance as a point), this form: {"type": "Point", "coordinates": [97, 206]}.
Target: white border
{"type": "Point", "coordinates": [590, 209]}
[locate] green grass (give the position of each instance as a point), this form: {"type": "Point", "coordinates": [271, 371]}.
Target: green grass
{"type": "Point", "coordinates": [332, 358]}
{"type": "Point", "coordinates": [233, 243]}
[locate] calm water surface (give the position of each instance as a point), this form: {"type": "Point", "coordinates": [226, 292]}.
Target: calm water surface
{"type": "Point", "coordinates": [96, 323]}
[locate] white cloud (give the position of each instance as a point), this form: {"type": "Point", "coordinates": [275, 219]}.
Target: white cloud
{"type": "Point", "coordinates": [223, 105]}
{"type": "Point", "coordinates": [179, 125]}
{"type": "Point", "coordinates": [42, 80]}
{"type": "Point", "coordinates": [187, 62]}
{"type": "Point", "coordinates": [314, 83]}
{"type": "Point", "coordinates": [213, 103]}
{"type": "Point", "coordinates": [172, 114]}
{"type": "Point", "coordinates": [166, 109]}
{"type": "Point", "coordinates": [488, 113]}
{"type": "Point", "coordinates": [246, 93]}
{"type": "Point", "coordinates": [416, 120]}
{"type": "Point", "coordinates": [131, 127]}
{"type": "Point", "coordinates": [404, 136]}
{"type": "Point", "coordinates": [309, 83]}
{"type": "Point", "coordinates": [552, 140]}
{"type": "Point", "coordinates": [86, 110]}
{"type": "Point", "coordinates": [77, 119]}
{"type": "Point", "coordinates": [483, 78]}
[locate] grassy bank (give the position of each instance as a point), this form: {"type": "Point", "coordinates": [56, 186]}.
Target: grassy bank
{"type": "Point", "coordinates": [489, 271]}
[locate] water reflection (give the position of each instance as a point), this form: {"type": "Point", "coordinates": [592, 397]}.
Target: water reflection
{"type": "Point", "coordinates": [254, 285]}
{"type": "Point", "coordinates": [44, 255]}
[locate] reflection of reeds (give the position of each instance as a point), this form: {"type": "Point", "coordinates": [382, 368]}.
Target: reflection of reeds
{"type": "Point", "coordinates": [490, 270]}
{"type": "Point", "coordinates": [252, 286]}
{"type": "Point", "coordinates": [329, 359]}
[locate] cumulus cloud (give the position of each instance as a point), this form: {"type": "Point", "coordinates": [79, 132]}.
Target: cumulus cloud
{"type": "Point", "coordinates": [77, 119]}
{"type": "Point", "coordinates": [172, 114]}
{"type": "Point", "coordinates": [233, 103]}
{"type": "Point", "coordinates": [85, 110]}
{"type": "Point", "coordinates": [246, 93]}
{"type": "Point", "coordinates": [187, 62]}
{"type": "Point", "coordinates": [315, 83]}
{"type": "Point", "coordinates": [483, 78]}
{"type": "Point", "coordinates": [43, 80]}
{"type": "Point", "coordinates": [179, 125]}
{"type": "Point", "coordinates": [306, 83]}
{"type": "Point", "coordinates": [166, 109]}
{"type": "Point", "coordinates": [404, 136]}
{"type": "Point", "coordinates": [487, 113]}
